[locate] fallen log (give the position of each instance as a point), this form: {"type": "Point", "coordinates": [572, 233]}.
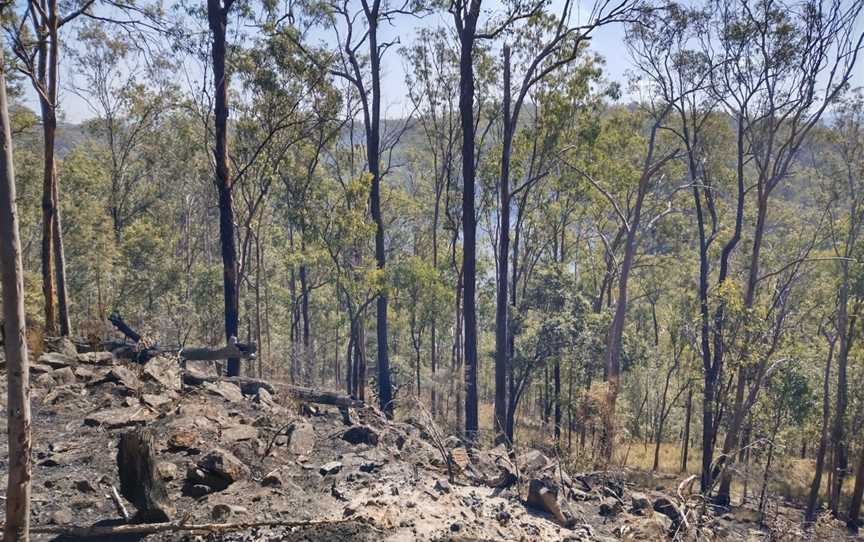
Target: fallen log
{"type": "Point", "coordinates": [310, 395]}
{"type": "Point", "coordinates": [132, 352]}
{"type": "Point", "coordinates": [123, 328]}
{"type": "Point", "coordinates": [233, 350]}
{"type": "Point", "coordinates": [250, 386]}
{"type": "Point", "coordinates": [79, 531]}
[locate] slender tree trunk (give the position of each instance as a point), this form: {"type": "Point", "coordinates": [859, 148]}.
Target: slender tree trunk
{"type": "Point", "coordinates": [763, 494]}
{"type": "Point", "coordinates": [373, 144]}
{"type": "Point", "coordinates": [60, 266]}
{"type": "Point", "coordinates": [217, 16]}
{"type": "Point", "coordinates": [685, 441]}
{"type": "Point", "coordinates": [838, 444]}
{"type": "Point", "coordinates": [556, 378]}
{"type": "Point", "coordinates": [616, 332]}
{"type": "Point", "coordinates": [48, 209]}
{"type": "Point", "coordinates": [17, 523]}
{"type": "Point", "coordinates": [501, 326]}
{"type": "Point", "coordinates": [813, 497]}
{"type": "Point", "coordinates": [733, 432]}
{"type": "Point", "coordinates": [307, 332]}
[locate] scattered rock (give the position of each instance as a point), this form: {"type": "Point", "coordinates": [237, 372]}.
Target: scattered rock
{"type": "Point", "coordinates": [155, 400]}
{"type": "Point", "coordinates": [442, 486]}
{"type": "Point", "coordinates": [665, 506]}
{"type": "Point", "coordinates": [196, 491]}
{"type": "Point", "coordinates": [503, 517]}
{"type": "Point", "coordinates": [61, 345]}
{"type": "Point", "coordinates": [56, 360]}
{"type": "Point", "coordinates": [543, 496]}
{"type": "Point", "coordinates": [370, 466]}
{"type": "Point", "coordinates": [122, 376]}
{"type": "Point", "coordinates": [226, 390]}
{"type": "Point", "coordinates": [116, 418]}
{"type": "Point", "coordinates": [84, 486]}
{"type": "Point", "coordinates": [96, 358]}
{"type": "Point", "coordinates": [63, 376]}
{"type": "Point", "coordinates": [610, 507]}
{"type": "Point", "coordinates": [219, 469]}
{"type": "Point", "coordinates": [40, 368]}
{"type": "Point", "coordinates": [332, 467]}
{"type": "Point", "coordinates": [167, 470]}
{"type": "Point", "coordinates": [44, 380]}
{"type": "Point", "coordinates": [273, 479]}
{"type": "Point", "coordinates": [61, 517]}
{"type": "Point", "coordinates": [456, 526]}
{"type": "Point", "coordinates": [183, 441]}
{"type": "Point", "coordinates": [163, 371]}
{"type": "Point", "coordinates": [640, 505]}
{"type": "Point", "coordinates": [532, 462]}
{"type": "Point", "coordinates": [302, 440]}
{"type": "Point", "coordinates": [361, 434]}
{"type": "Point", "coordinates": [238, 433]}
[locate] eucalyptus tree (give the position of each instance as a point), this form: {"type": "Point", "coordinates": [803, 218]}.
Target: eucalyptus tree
{"type": "Point", "coordinates": [777, 88]}
{"type": "Point", "coordinates": [644, 179]}
{"type": "Point", "coordinates": [131, 98]}
{"type": "Point", "coordinates": [17, 523]}
{"type": "Point", "coordinates": [35, 37]}
{"type": "Point", "coordinates": [353, 37]}
{"type": "Point", "coordinates": [432, 80]}
{"type": "Point", "coordinates": [561, 41]}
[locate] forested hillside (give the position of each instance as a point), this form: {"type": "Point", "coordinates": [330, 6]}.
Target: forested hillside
{"type": "Point", "coordinates": [648, 277]}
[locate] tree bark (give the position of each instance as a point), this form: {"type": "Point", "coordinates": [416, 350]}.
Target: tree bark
{"type": "Point", "coordinates": [373, 144]}
{"type": "Point", "coordinates": [17, 524]}
{"type": "Point", "coordinates": [217, 15]}
{"type": "Point", "coordinates": [466, 24]}
{"type": "Point", "coordinates": [501, 300]}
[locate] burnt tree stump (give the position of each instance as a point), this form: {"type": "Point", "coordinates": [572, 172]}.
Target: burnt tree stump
{"type": "Point", "coordinates": [140, 482]}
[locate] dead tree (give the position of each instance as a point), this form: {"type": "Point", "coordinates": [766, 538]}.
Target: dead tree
{"type": "Point", "coordinates": [140, 482]}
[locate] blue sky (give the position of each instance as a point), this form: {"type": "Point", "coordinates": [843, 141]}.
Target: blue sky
{"type": "Point", "coordinates": [607, 41]}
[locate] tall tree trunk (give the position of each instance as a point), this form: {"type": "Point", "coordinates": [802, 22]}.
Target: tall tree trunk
{"type": "Point", "coordinates": [838, 443]}
{"type": "Point", "coordinates": [217, 15]}
{"type": "Point", "coordinates": [501, 326]}
{"type": "Point", "coordinates": [616, 329]}
{"type": "Point", "coordinates": [17, 523]}
{"type": "Point", "coordinates": [714, 368]}
{"type": "Point", "coordinates": [733, 432]}
{"type": "Point", "coordinates": [813, 496]}
{"type": "Point", "coordinates": [48, 209]}
{"type": "Point", "coordinates": [467, 31]}
{"type": "Point", "coordinates": [373, 152]}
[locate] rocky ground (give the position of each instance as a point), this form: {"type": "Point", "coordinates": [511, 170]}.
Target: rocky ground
{"type": "Point", "coordinates": [237, 453]}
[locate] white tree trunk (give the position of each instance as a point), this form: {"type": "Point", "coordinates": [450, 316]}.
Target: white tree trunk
{"type": "Point", "coordinates": [18, 490]}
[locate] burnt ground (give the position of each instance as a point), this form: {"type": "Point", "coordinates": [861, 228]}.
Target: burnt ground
{"type": "Point", "coordinates": [230, 457]}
